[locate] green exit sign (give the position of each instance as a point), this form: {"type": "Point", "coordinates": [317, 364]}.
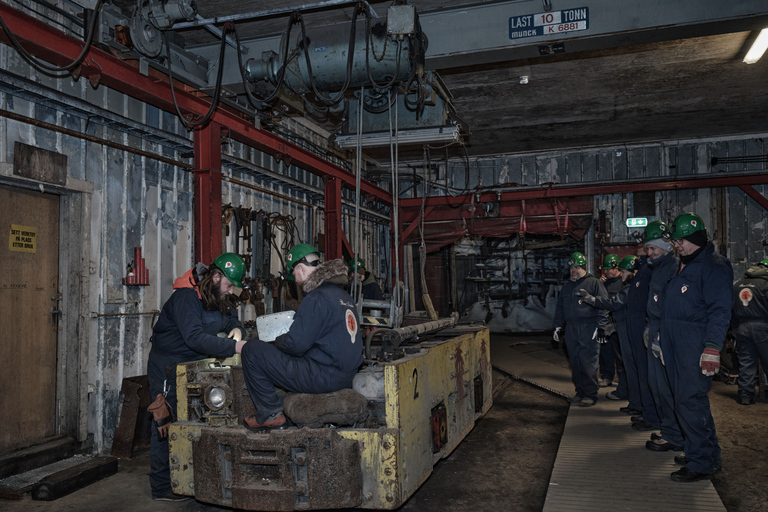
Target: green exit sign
{"type": "Point", "coordinates": [637, 222]}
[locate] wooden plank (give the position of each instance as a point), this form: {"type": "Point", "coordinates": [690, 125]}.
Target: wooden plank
{"type": "Point", "coordinates": [408, 254]}
{"type": "Point", "coordinates": [38, 455]}
{"type": "Point", "coordinates": [39, 164]}
{"type": "Point", "coordinates": [72, 479]}
{"type": "Point", "coordinates": [28, 347]}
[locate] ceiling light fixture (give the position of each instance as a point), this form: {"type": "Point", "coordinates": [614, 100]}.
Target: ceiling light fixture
{"type": "Point", "coordinates": [421, 136]}
{"type": "Point", "coordinates": [758, 48]}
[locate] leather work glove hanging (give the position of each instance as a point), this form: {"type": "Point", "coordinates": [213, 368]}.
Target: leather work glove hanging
{"type": "Point", "coordinates": [556, 334]}
{"type": "Point", "coordinates": [710, 361]}
{"type": "Point", "coordinates": [162, 414]}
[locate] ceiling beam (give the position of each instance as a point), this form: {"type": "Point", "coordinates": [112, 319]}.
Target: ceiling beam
{"type": "Point", "coordinates": [483, 34]}
{"type": "Point", "coordinates": [56, 47]}
{"type": "Point", "coordinates": [590, 189]}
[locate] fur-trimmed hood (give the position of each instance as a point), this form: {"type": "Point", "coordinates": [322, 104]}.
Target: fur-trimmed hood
{"type": "Point", "coordinates": [333, 271]}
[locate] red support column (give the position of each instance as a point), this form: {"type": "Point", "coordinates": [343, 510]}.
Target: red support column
{"type": "Point", "coordinates": [207, 193]}
{"type": "Point", "coordinates": [333, 232]}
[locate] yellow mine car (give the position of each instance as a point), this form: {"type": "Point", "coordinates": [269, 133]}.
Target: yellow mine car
{"type": "Point", "coordinates": [420, 400]}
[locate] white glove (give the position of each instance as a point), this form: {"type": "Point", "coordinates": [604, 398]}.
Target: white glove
{"type": "Point", "coordinates": [235, 333]}
{"type": "Point", "coordinates": [556, 334]}
{"type": "Point", "coordinates": [594, 334]}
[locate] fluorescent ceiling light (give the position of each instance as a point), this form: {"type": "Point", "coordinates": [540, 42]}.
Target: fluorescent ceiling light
{"type": "Point", "coordinates": [422, 136]}
{"type": "Point", "coordinates": [758, 47]}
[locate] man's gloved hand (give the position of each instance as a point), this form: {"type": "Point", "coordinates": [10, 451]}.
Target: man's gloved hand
{"type": "Point", "coordinates": [600, 335]}
{"type": "Point", "coordinates": [556, 334]}
{"type": "Point", "coordinates": [235, 333]}
{"type": "Point", "coordinates": [610, 329]}
{"type": "Point", "coordinates": [586, 297]}
{"type": "Point", "coordinates": [710, 361]}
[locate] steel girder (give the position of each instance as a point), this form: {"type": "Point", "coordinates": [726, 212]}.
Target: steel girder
{"type": "Point", "coordinates": [56, 47]}
{"type": "Point", "coordinates": [590, 189]}
{"type": "Point", "coordinates": [480, 34]}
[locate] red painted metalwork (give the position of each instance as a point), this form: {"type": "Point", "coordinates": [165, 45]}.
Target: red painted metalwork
{"type": "Point", "coordinates": [754, 194]}
{"type": "Point", "coordinates": [548, 216]}
{"type": "Point", "coordinates": [58, 48]}
{"type": "Point", "coordinates": [207, 199]}
{"type": "Point", "coordinates": [551, 190]}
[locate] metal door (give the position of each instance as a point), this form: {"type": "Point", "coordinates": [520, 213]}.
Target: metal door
{"type": "Point", "coordinates": [29, 303]}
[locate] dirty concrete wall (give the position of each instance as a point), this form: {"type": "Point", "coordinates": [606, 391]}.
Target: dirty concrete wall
{"type": "Point", "coordinates": [136, 201]}
{"type": "Point", "coordinates": [743, 220]}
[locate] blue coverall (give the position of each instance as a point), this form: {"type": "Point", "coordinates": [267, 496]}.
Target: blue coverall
{"type": "Point", "coordinates": [750, 327]}
{"type": "Point", "coordinates": [321, 352]}
{"type": "Point", "coordinates": [697, 312]}
{"type": "Point", "coordinates": [637, 317]}
{"type": "Point", "coordinates": [610, 353]}
{"type": "Point", "coordinates": [664, 268]}
{"type": "Point", "coordinates": [628, 303]}
{"type": "Point", "coordinates": [184, 331]}
{"type": "Point", "coordinates": [580, 321]}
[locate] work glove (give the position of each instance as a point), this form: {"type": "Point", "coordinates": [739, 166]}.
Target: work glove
{"type": "Point", "coordinates": [710, 361]}
{"type": "Point", "coordinates": [656, 349]}
{"type": "Point", "coordinates": [556, 334]}
{"type": "Point", "coordinates": [586, 297]}
{"type": "Point", "coordinates": [610, 329]}
{"type": "Point", "coordinates": [600, 336]}
{"type": "Point", "coordinates": [235, 333]}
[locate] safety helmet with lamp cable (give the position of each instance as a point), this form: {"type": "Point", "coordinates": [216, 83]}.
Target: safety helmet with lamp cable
{"type": "Point", "coordinates": [298, 255]}
{"type": "Point", "coordinates": [611, 261]}
{"type": "Point", "coordinates": [577, 259]}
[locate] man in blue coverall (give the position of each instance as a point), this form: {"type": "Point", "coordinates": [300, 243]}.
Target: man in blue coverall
{"type": "Point", "coordinates": [750, 327]}
{"type": "Point", "coordinates": [197, 321]}
{"type": "Point", "coordinates": [697, 312]}
{"type": "Point", "coordinates": [619, 306]}
{"type": "Point", "coordinates": [321, 351]}
{"type": "Point", "coordinates": [610, 352]}
{"type": "Point", "coordinates": [663, 264]}
{"type": "Point", "coordinates": [584, 328]}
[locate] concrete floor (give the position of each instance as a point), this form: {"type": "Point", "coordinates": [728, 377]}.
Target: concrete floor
{"type": "Point", "coordinates": [503, 464]}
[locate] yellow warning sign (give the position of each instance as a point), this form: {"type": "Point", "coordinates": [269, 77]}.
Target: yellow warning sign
{"type": "Point", "coordinates": [23, 238]}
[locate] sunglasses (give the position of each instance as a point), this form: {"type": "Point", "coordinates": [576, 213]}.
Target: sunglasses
{"type": "Point", "coordinates": [307, 263]}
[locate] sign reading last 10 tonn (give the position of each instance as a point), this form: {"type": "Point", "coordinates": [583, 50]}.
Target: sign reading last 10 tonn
{"type": "Point", "coordinates": [549, 23]}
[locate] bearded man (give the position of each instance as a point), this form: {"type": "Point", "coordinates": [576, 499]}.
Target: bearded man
{"type": "Point", "coordinates": [198, 320]}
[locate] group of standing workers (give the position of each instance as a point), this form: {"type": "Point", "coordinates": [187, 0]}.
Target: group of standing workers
{"type": "Point", "coordinates": [670, 309]}
{"type": "Point", "coordinates": [320, 353]}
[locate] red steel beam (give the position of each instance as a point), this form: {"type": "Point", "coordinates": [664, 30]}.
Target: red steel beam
{"type": "Point", "coordinates": [405, 234]}
{"type": "Point", "coordinates": [754, 194]}
{"type": "Point", "coordinates": [207, 201]}
{"type": "Point", "coordinates": [56, 47]}
{"type": "Point", "coordinates": [552, 190]}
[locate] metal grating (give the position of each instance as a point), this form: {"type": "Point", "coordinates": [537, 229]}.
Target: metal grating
{"type": "Point", "coordinates": [602, 464]}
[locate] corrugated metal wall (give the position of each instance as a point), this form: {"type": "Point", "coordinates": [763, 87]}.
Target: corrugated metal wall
{"type": "Point", "coordinates": [746, 221]}
{"type": "Point", "coordinates": [140, 202]}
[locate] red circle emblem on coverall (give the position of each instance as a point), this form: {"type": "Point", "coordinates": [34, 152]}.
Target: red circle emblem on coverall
{"type": "Point", "coordinates": [351, 325]}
